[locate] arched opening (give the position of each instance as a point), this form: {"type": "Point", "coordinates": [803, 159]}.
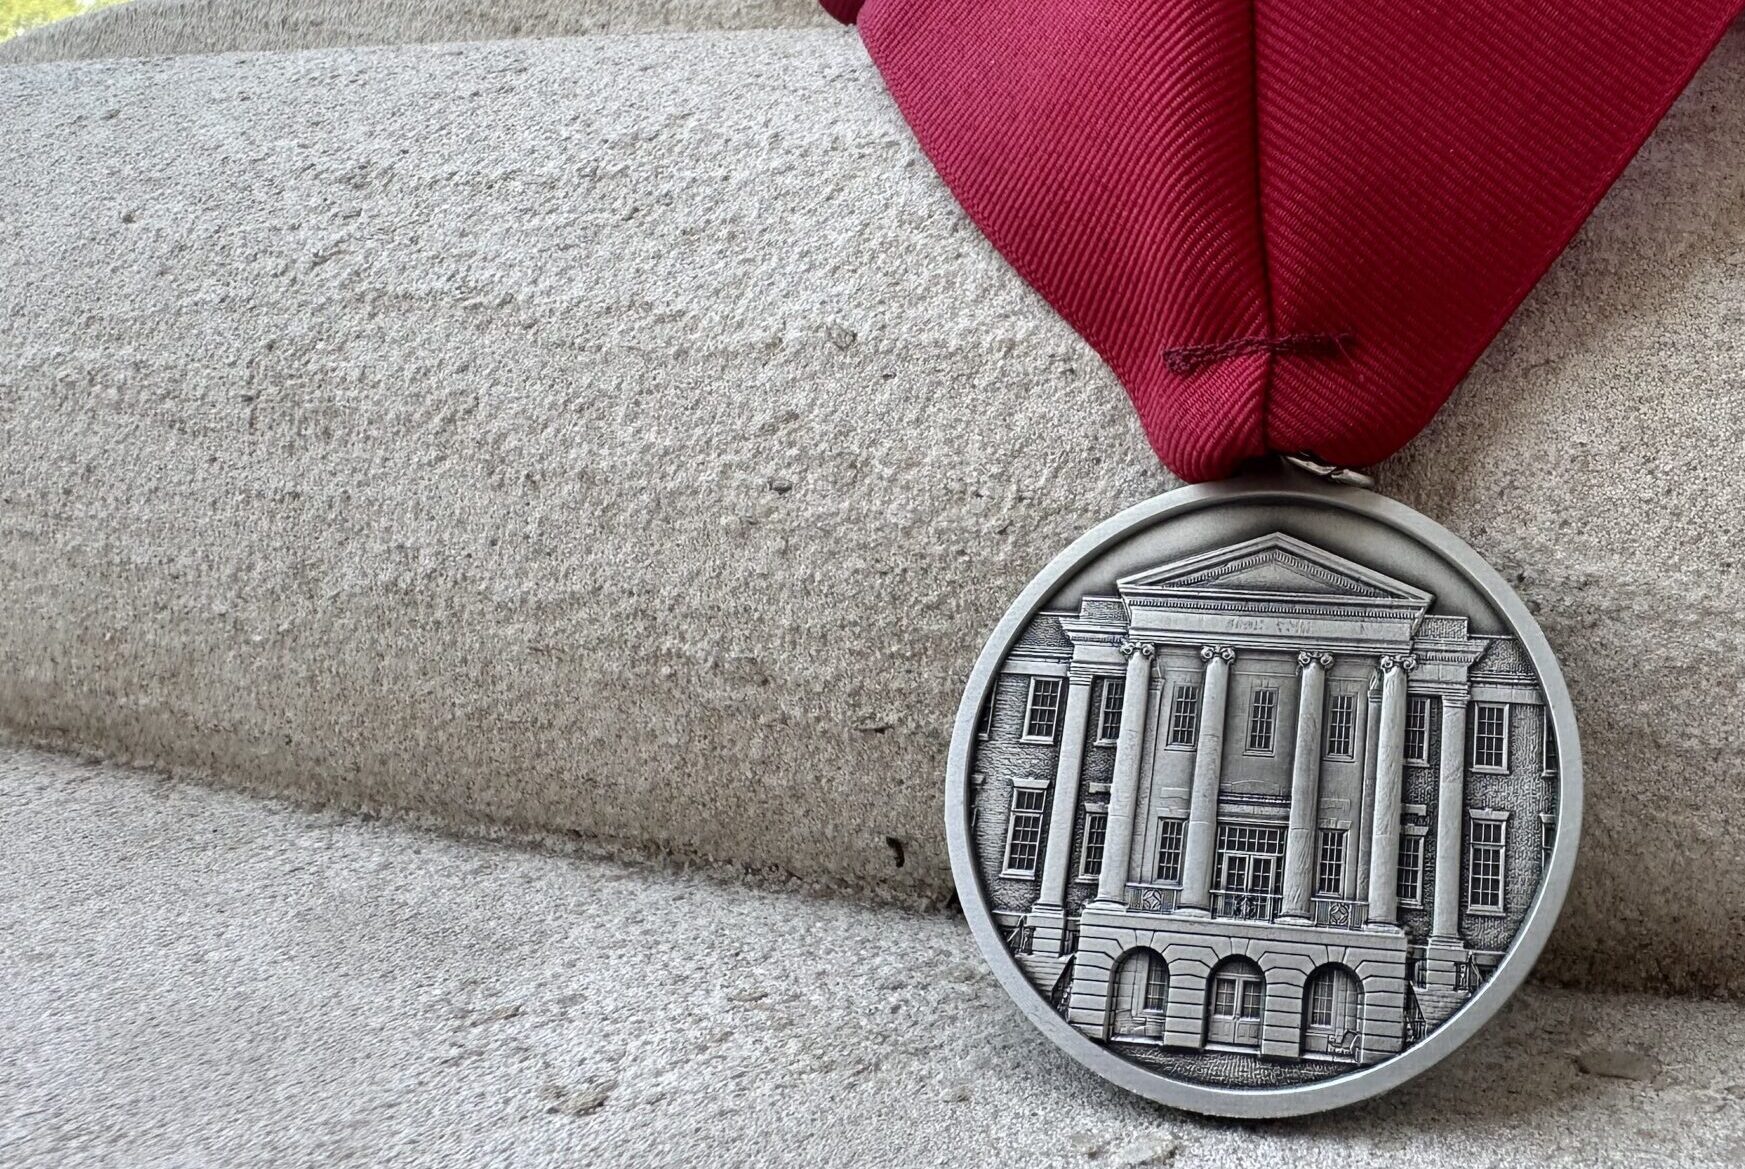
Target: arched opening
{"type": "Point", "coordinates": [1138, 995]}
{"type": "Point", "coordinates": [1333, 1014]}
{"type": "Point", "coordinates": [1235, 1005]}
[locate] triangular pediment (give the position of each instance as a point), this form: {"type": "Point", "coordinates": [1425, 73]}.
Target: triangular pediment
{"type": "Point", "coordinates": [1276, 571]}
{"type": "Point", "coordinates": [1274, 566]}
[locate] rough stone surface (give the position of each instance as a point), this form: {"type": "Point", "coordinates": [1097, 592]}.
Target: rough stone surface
{"type": "Point", "coordinates": [1621, 1063]}
{"type": "Point", "coordinates": [629, 436]}
{"type": "Point", "coordinates": [197, 978]}
{"type": "Point", "coordinates": [153, 28]}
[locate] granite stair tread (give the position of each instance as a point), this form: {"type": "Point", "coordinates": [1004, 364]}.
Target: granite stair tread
{"type": "Point", "coordinates": [200, 977]}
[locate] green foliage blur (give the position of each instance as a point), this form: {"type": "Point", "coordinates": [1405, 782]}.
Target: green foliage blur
{"type": "Point", "coordinates": [18, 16]}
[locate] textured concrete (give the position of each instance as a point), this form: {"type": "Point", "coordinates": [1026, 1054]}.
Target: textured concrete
{"type": "Point", "coordinates": [629, 436]}
{"type": "Point", "coordinates": [152, 28]}
{"type": "Point", "coordinates": [195, 978]}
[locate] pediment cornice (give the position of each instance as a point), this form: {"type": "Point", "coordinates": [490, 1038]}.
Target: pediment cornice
{"type": "Point", "coordinates": [1273, 573]}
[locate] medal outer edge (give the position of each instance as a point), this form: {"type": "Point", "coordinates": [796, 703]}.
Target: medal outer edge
{"type": "Point", "coordinates": [1524, 951]}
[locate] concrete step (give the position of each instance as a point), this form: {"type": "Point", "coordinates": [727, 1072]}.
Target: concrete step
{"type": "Point", "coordinates": [194, 977]}
{"type": "Point", "coordinates": [154, 28]}
{"type": "Point", "coordinates": [628, 436]}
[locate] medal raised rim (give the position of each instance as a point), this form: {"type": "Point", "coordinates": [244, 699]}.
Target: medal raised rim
{"type": "Point", "coordinates": [1359, 1084]}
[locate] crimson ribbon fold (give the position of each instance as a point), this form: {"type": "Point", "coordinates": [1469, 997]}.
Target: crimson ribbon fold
{"type": "Point", "coordinates": [1288, 226]}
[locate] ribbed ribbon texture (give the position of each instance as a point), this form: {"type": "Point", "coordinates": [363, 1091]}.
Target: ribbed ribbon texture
{"type": "Point", "coordinates": [1287, 225]}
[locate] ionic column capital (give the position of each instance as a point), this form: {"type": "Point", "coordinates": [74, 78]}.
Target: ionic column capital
{"type": "Point", "coordinates": [1144, 648]}
{"type": "Point", "coordinates": [1307, 659]}
{"type": "Point", "coordinates": [1408, 663]}
{"type": "Point", "coordinates": [1222, 652]}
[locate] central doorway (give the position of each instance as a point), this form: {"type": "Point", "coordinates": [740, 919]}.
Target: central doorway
{"type": "Point", "coordinates": [1234, 1008]}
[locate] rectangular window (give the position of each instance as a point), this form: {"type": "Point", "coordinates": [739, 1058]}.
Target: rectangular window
{"type": "Point", "coordinates": [1262, 720]}
{"type": "Point", "coordinates": [1109, 719]}
{"type": "Point", "coordinates": [1341, 726]}
{"type": "Point", "coordinates": [1042, 712]}
{"type": "Point", "coordinates": [1184, 715]}
{"type": "Point", "coordinates": [1417, 728]}
{"type": "Point", "coordinates": [1170, 833]}
{"type": "Point", "coordinates": [1024, 833]}
{"type": "Point", "coordinates": [1156, 985]}
{"type": "Point", "coordinates": [1490, 736]}
{"type": "Point", "coordinates": [1249, 861]}
{"type": "Point", "coordinates": [1330, 867]}
{"type": "Point", "coordinates": [1224, 998]}
{"type": "Point", "coordinates": [1321, 1002]}
{"type": "Point", "coordinates": [1548, 750]}
{"type": "Point", "coordinates": [1547, 840]}
{"type": "Point", "coordinates": [1411, 883]}
{"type": "Point", "coordinates": [1252, 839]}
{"type": "Point", "coordinates": [1091, 847]}
{"type": "Point", "coordinates": [985, 719]}
{"type": "Point", "coordinates": [1251, 1000]}
{"type": "Point", "coordinates": [1484, 866]}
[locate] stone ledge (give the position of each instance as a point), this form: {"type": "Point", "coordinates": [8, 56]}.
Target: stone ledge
{"type": "Point", "coordinates": [198, 977]}
{"type": "Point", "coordinates": [157, 28]}
{"type": "Point", "coordinates": [629, 436]}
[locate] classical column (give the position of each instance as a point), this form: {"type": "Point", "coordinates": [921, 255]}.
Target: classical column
{"type": "Point", "coordinates": [1124, 790]}
{"type": "Point", "coordinates": [1066, 793]}
{"type": "Point", "coordinates": [1366, 804]}
{"type": "Point", "coordinates": [1450, 812]}
{"type": "Point", "coordinates": [1384, 850]}
{"type": "Point", "coordinates": [1305, 787]}
{"type": "Point", "coordinates": [1202, 831]}
{"type": "Point", "coordinates": [1357, 872]}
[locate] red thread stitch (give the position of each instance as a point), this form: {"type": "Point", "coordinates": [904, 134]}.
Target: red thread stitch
{"type": "Point", "coordinates": [1187, 359]}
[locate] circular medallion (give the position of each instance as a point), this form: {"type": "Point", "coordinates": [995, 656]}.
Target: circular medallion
{"type": "Point", "coordinates": [1264, 796]}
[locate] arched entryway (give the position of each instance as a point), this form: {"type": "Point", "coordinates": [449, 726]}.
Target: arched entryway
{"type": "Point", "coordinates": [1234, 1005]}
{"type": "Point", "coordinates": [1138, 995]}
{"type": "Point", "coordinates": [1333, 1014]}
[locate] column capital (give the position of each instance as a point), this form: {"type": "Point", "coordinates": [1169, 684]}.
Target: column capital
{"type": "Point", "coordinates": [1144, 648]}
{"type": "Point", "coordinates": [1455, 701]}
{"type": "Point", "coordinates": [1084, 675]}
{"type": "Point", "coordinates": [1208, 652]}
{"type": "Point", "coordinates": [1307, 659]}
{"type": "Point", "coordinates": [1407, 662]}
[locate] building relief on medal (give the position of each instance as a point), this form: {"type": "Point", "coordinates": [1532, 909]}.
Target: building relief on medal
{"type": "Point", "coordinates": [1261, 815]}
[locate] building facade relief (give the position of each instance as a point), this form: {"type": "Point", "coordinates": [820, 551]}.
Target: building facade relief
{"type": "Point", "coordinates": [1261, 815]}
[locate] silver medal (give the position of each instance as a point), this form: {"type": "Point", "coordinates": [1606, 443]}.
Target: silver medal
{"type": "Point", "coordinates": [1264, 796]}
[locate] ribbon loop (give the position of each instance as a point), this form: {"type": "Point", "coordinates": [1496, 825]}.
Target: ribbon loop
{"type": "Point", "coordinates": [1225, 196]}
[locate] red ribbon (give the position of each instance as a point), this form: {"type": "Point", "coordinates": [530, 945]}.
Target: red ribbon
{"type": "Point", "coordinates": [1287, 225]}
